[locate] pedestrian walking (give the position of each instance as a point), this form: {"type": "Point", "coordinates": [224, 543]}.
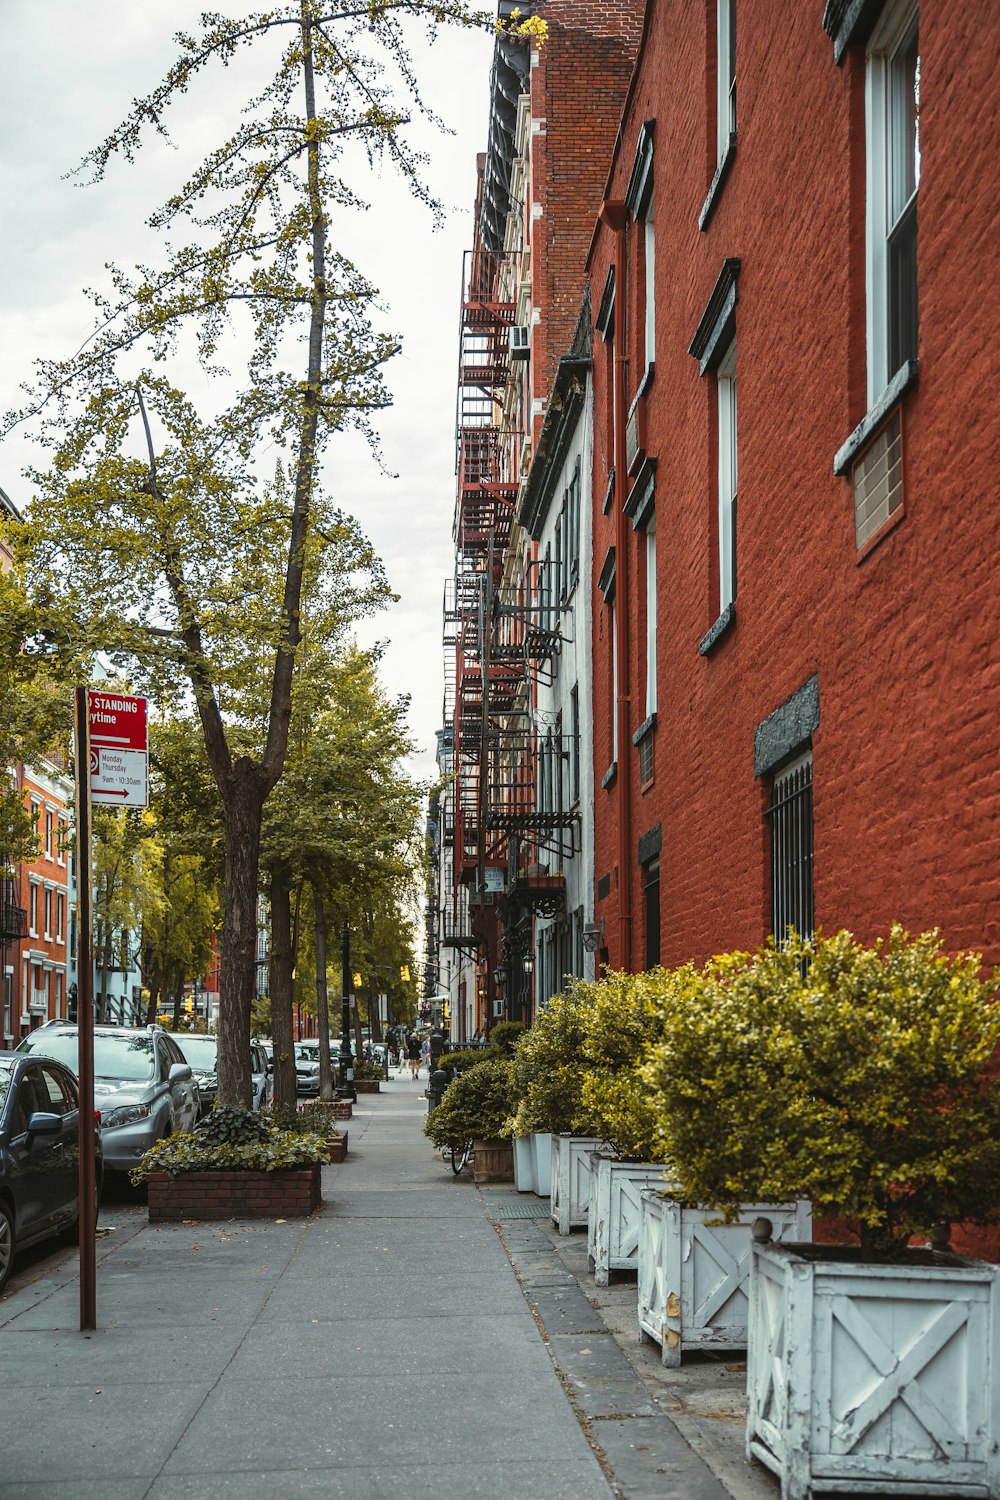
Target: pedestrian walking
{"type": "Point", "coordinates": [413, 1053]}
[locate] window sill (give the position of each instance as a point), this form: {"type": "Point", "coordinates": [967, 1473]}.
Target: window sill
{"type": "Point", "coordinates": [644, 729]}
{"type": "Point", "coordinates": [718, 630]}
{"type": "Point", "coordinates": [905, 379]}
{"type": "Point", "coordinates": [718, 182]}
{"type": "Point", "coordinates": [609, 494]}
{"type": "Point", "coordinates": [607, 779]}
{"type": "Point", "coordinates": [646, 383]}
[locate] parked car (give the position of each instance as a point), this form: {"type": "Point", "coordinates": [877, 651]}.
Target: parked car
{"type": "Point", "coordinates": [143, 1086]}
{"type": "Point", "coordinates": [306, 1068]}
{"type": "Point", "coordinates": [201, 1050]}
{"type": "Point", "coordinates": [39, 1154]}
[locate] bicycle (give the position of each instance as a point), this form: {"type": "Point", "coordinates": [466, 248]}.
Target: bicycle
{"type": "Point", "coordinates": [461, 1155]}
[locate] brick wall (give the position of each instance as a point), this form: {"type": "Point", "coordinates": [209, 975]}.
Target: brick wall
{"type": "Point", "coordinates": [904, 641]}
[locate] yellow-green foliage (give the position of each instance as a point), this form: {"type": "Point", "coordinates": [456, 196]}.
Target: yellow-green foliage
{"type": "Point", "coordinates": [549, 1067]}
{"type": "Point", "coordinates": [855, 1077]}
{"type": "Point", "coordinates": [476, 1106]}
{"type": "Point", "coordinates": [524, 29]}
{"type": "Point", "coordinates": [192, 1153]}
{"type": "Point", "coordinates": [623, 1015]}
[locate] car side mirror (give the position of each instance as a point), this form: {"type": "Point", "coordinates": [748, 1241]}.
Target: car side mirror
{"type": "Point", "coordinates": [178, 1072]}
{"type": "Point", "coordinates": [42, 1123]}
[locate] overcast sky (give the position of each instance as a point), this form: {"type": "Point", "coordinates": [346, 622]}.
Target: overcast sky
{"type": "Point", "coordinates": [71, 68]}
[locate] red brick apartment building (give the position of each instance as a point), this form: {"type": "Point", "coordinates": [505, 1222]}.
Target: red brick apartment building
{"type": "Point", "coordinates": [796, 449]}
{"type": "Point", "coordinates": [35, 899]}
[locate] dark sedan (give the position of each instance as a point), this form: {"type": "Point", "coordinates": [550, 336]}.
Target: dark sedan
{"type": "Point", "coordinates": [39, 1153]}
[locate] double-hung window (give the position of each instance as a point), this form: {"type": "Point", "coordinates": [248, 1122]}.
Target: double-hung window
{"type": "Point", "coordinates": [892, 140]}
{"type": "Point", "coordinates": [790, 816]}
{"type": "Point", "coordinates": [728, 476]}
{"type": "Point", "coordinates": [725, 76]}
{"type": "Point", "coordinates": [651, 616]}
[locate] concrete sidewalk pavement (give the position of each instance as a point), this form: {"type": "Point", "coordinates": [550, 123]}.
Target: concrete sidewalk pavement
{"type": "Point", "coordinates": [385, 1344]}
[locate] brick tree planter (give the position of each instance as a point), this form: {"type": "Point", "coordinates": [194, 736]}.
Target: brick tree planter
{"type": "Point", "coordinates": [571, 1179]}
{"type": "Point", "coordinates": [366, 1085]}
{"type": "Point", "coordinates": [290, 1194]}
{"type": "Point", "coordinates": [336, 1147]}
{"type": "Point", "coordinates": [493, 1161]}
{"type": "Point", "coordinates": [866, 1378]}
{"type": "Point", "coordinates": [343, 1109]}
{"type": "Point", "coordinates": [694, 1270]}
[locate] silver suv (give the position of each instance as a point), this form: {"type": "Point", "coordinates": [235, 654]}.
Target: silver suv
{"type": "Point", "coordinates": [142, 1085]}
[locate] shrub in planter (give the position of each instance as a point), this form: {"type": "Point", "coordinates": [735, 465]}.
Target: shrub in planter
{"type": "Point", "coordinates": [279, 1151]}
{"type": "Point", "coordinates": [464, 1058]}
{"type": "Point", "coordinates": [859, 1078]}
{"type": "Point", "coordinates": [548, 1067]}
{"type": "Point", "coordinates": [855, 1077]}
{"type": "Point", "coordinates": [505, 1037]}
{"type": "Point", "coordinates": [367, 1072]}
{"type": "Point", "coordinates": [622, 1018]}
{"type": "Point", "coordinates": [319, 1119]}
{"type": "Point", "coordinates": [475, 1107]}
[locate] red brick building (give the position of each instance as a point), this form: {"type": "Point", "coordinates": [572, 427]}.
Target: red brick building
{"type": "Point", "coordinates": [797, 665]}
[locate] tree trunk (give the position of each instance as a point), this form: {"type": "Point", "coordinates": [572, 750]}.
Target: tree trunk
{"type": "Point", "coordinates": [102, 1009]}
{"type": "Point", "coordinates": [244, 806]}
{"type": "Point", "coordinates": [281, 987]}
{"type": "Point", "coordinates": [155, 991]}
{"type": "Point", "coordinates": [322, 1003]}
{"type": "Point", "coordinates": [178, 996]}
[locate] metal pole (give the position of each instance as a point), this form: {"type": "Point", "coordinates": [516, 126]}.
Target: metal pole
{"type": "Point", "coordinates": [346, 1089]}
{"type": "Point", "coordinates": [85, 1021]}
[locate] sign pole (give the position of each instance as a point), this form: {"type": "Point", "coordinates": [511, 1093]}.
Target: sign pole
{"type": "Point", "coordinates": [85, 1020]}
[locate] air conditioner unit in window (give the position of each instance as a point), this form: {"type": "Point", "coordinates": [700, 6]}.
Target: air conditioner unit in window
{"type": "Point", "coordinates": [497, 1009]}
{"type": "Point", "coordinates": [520, 340]}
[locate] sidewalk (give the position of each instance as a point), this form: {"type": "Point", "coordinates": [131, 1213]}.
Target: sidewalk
{"type": "Point", "coordinates": [387, 1344]}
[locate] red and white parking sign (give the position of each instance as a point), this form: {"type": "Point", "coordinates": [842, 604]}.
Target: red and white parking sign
{"type": "Point", "coordinates": [118, 747]}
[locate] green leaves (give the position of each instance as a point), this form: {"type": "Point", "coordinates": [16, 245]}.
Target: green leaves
{"type": "Point", "coordinates": [856, 1077]}
{"type": "Point", "coordinates": [476, 1106]}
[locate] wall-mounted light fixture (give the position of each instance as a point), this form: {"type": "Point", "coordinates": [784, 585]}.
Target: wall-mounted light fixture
{"type": "Point", "coordinates": [592, 935]}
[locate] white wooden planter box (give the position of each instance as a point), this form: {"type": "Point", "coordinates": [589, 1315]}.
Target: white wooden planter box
{"type": "Point", "coordinates": [524, 1164]}
{"type": "Point", "coordinates": [541, 1146]}
{"type": "Point", "coordinates": [571, 1179]}
{"type": "Point", "coordinates": [694, 1272]}
{"type": "Point", "coordinates": [874, 1379]}
{"type": "Point", "coordinates": [613, 1212]}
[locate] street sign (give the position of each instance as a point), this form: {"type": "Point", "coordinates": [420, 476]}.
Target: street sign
{"type": "Point", "coordinates": [118, 749]}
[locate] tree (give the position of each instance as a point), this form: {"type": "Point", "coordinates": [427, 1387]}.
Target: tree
{"type": "Point", "coordinates": [153, 529]}
{"type": "Point", "coordinates": [342, 821]}
{"type": "Point", "coordinates": [126, 874]}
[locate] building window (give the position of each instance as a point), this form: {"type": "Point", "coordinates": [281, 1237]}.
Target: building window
{"type": "Point", "coordinates": [574, 745]}
{"type": "Point", "coordinates": [893, 180]}
{"type": "Point", "coordinates": [725, 76]}
{"type": "Point", "coordinates": [790, 816]}
{"type": "Point", "coordinates": [60, 916]}
{"type": "Point", "coordinates": [572, 506]}
{"type": "Point", "coordinates": [49, 840]}
{"type": "Point", "coordinates": [651, 896]}
{"type": "Point", "coordinates": [651, 616]}
{"type": "Point", "coordinates": [48, 912]}
{"type": "Point", "coordinates": [613, 642]}
{"type": "Point", "coordinates": [728, 476]}
{"type": "Point", "coordinates": [649, 277]}
{"type": "Point", "coordinates": [61, 837]}
{"type": "Point", "coordinates": [33, 908]}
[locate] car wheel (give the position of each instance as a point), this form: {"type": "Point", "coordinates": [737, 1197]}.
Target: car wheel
{"type": "Point", "coordinates": [7, 1243]}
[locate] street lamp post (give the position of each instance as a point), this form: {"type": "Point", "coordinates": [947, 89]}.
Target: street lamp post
{"type": "Point", "coordinates": [346, 1089]}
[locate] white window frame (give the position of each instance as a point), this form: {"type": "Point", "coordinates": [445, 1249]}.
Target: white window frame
{"type": "Point", "coordinates": [725, 72]}
{"type": "Point", "coordinates": [614, 681]}
{"type": "Point", "coordinates": [34, 886]}
{"type": "Point", "coordinates": [881, 170]}
{"type": "Point", "coordinates": [728, 476]}
{"type": "Point", "coordinates": [649, 272]}
{"type": "Point", "coordinates": [651, 602]}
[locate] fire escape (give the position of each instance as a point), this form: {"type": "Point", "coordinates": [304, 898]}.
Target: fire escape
{"type": "Point", "coordinates": [486, 449]}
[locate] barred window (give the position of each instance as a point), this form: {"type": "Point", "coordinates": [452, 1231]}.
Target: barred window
{"type": "Point", "coordinates": [790, 816]}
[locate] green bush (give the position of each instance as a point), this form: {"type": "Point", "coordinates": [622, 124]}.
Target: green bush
{"type": "Point", "coordinates": [506, 1036]}
{"type": "Point", "coordinates": [476, 1106]}
{"type": "Point", "coordinates": [192, 1153]}
{"type": "Point", "coordinates": [468, 1057]}
{"type": "Point", "coordinates": [549, 1066]}
{"type": "Point", "coordinates": [318, 1119]}
{"type": "Point", "coordinates": [622, 1017]}
{"type": "Point", "coordinates": [366, 1072]}
{"type": "Point", "coordinates": [231, 1125]}
{"type": "Point", "coordinates": [856, 1077]}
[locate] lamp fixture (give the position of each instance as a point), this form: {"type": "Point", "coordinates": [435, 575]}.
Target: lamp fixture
{"type": "Point", "coordinates": [592, 935]}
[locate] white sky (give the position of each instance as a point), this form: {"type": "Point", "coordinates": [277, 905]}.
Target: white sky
{"type": "Point", "coordinates": [70, 71]}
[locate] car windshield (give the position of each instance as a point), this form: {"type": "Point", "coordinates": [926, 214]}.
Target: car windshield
{"type": "Point", "coordinates": [307, 1051]}
{"type": "Point", "coordinates": [6, 1070]}
{"type": "Point", "coordinates": [128, 1056]}
{"type": "Point", "coordinates": [199, 1051]}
